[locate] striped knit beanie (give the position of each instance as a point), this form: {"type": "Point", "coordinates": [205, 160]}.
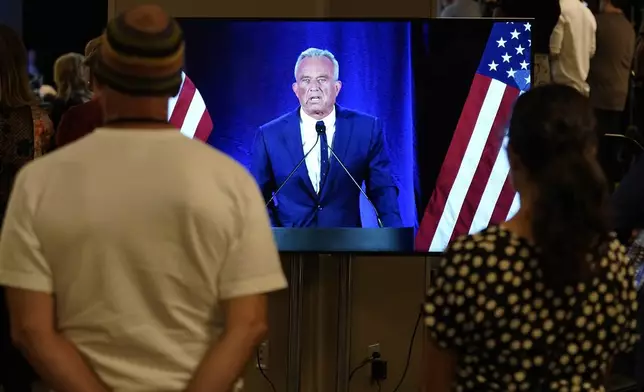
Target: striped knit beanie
{"type": "Point", "coordinates": [141, 53]}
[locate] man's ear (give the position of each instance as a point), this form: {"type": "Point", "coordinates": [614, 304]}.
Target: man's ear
{"type": "Point", "coordinates": [294, 87]}
{"type": "Point", "coordinates": [338, 87]}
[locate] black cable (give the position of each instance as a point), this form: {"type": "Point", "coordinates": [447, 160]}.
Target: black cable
{"type": "Point", "coordinates": [411, 349]}
{"type": "Point", "coordinates": [364, 363]}
{"type": "Point", "coordinates": [261, 370]}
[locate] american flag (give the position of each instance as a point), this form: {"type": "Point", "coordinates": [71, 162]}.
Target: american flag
{"type": "Point", "coordinates": [188, 111]}
{"type": "Point", "coordinates": [473, 188]}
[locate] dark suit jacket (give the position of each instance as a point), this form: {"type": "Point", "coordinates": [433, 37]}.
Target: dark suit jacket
{"type": "Point", "coordinates": [358, 141]}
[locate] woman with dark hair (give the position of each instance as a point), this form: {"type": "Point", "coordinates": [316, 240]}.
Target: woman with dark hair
{"type": "Point", "coordinates": [546, 300]}
{"type": "Point", "coordinates": [25, 133]}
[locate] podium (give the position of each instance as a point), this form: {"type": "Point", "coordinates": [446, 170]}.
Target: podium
{"type": "Point", "coordinates": [299, 243]}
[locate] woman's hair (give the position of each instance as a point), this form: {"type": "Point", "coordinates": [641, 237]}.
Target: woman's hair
{"type": "Point", "coordinates": [15, 90]}
{"type": "Point", "coordinates": [553, 134]}
{"type": "Point", "coordinates": [70, 75]}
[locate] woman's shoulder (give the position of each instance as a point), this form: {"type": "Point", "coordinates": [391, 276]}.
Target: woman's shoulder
{"type": "Point", "coordinates": [612, 254]}
{"type": "Point", "coordinates": [491, 240]}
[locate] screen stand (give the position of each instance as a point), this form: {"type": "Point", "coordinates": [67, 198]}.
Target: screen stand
{"type": "Point", "coordinates": [294, 358]}
{"type": "Point", "coordinates": [344, 323]}
{"type": "Point", "coordinates": [297, 265]}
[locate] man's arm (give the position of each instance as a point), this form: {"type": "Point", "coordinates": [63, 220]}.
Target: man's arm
{"type": "Point", "coordinates": [556, 38]}
{"type": "Point", "coordinates": [55, 359]}
{"type": "Point", "coordinates": [381, 188]}
{"type": "Point", "coordinates": [27, 275]}
{"type": "Point", "coordinates": [246, 326]}
{"type": "Point", "coordinates": [262, 171]}
{"type": "Point", "coordinates": [593, 35]}
{"type": "Point", "coordinates": [440, 367]}
{"type": "Point", "coordinates": [252, 269]}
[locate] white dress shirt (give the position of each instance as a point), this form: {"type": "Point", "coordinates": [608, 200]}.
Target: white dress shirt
{"type": "Point", "coordinates": [573, 41]}
{"type": "Point", "coordinates": [309, 136]}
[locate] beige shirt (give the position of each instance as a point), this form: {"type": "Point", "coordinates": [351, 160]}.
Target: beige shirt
{"type": "Point", "coordinates": [140, 235]}
{"type": "Point", "coordinates": [573, 44]}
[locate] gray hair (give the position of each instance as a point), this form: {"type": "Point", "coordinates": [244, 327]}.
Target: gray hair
{"type": "Point", "coordinates": [315, 52]}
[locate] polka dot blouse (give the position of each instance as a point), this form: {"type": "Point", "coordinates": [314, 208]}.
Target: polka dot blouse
{"type": "Point", "coordinates": [489, 303]}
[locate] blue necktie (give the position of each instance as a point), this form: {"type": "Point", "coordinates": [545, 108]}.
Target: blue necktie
{"type": "Point", "coordinates": [324, 153]}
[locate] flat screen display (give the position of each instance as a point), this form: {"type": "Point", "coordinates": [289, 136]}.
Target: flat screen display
{"type": "Point", "coordinates": [363, 124]}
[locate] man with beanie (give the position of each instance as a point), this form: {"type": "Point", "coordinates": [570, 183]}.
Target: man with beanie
{"type": "Point", "coordinates": [82, 119]}
{"type": "Point", "coordinates": [137, 259]}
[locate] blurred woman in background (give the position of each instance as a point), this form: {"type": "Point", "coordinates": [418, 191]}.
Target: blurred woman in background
{"type": "Point", "coordinates": [72, 81]}
{"type": "Point", "coordinates": [546, 300]}
{"type": "Point", "coordinates": [83, 119]}
{"type": "Point", "coordinates": [25, 133]}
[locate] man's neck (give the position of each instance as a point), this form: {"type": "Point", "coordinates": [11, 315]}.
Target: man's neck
{"type": "Point", "coordinates": [611, 9]}
{"type": "Point", "coordinates": [138, 120]}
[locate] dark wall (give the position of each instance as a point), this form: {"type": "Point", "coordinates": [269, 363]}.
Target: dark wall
{"type": "Point", "coordinates": [11, 14]}
{"type": "Point", "coordinates": [53, 28]}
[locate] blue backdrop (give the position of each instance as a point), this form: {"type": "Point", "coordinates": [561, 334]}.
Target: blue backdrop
{"type": "Point", "coordinates": [244, 71]}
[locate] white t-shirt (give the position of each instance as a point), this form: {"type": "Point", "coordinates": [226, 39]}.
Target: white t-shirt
{"type": "Point", "coordinates": [140, 234]}
{"type": "Point", "coordinates": [573, 41]}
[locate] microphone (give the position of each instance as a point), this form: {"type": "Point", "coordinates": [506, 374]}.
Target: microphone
{"type": "Point", "coordinates": [279, 188]}
{"type": "Point", "coordinates": [320, 128]}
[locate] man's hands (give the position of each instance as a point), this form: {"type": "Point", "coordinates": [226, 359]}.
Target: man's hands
{"type": "Point", "coordinates": [246, 326]}
{"type": "Point", "coordinates": [55, 359]}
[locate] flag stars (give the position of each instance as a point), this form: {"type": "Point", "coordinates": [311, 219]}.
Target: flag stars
{"type": "Point", "coordinates": [527, 80]}
{"type": "Point", "coordinates": [508, 60]}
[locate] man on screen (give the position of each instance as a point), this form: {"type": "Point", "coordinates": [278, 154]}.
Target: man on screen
{"type": "Point", "coordinates": [320, 193]}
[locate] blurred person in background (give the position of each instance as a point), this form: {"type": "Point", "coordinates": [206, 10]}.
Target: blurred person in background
{"type": "Point", "coordinates": [25, 133]}
{"type": "Point", "coordinates": [70, 76]}
{"type": "Point", "coordinates": [122, 273]}
{"type": "Point", "coordinates": [572, 45]}
{"type": "Point", "coordinates": [546, 300]}
{"type": "Point", "coordinates": [461, 9]}
{"type": "Point", "coordinates": [35, 77]}
{"type": "Point", "coordinates": [80, 120]}
{"type": "Point", "coordinates": [628, 204]}
{"type": "Point", "coordinates": [638, 65]}
{"type": "Point", "coordinates": [610, 68]}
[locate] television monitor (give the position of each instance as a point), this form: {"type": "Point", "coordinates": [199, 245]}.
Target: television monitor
{"type": "Point", "coordinates": [414, 110]}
